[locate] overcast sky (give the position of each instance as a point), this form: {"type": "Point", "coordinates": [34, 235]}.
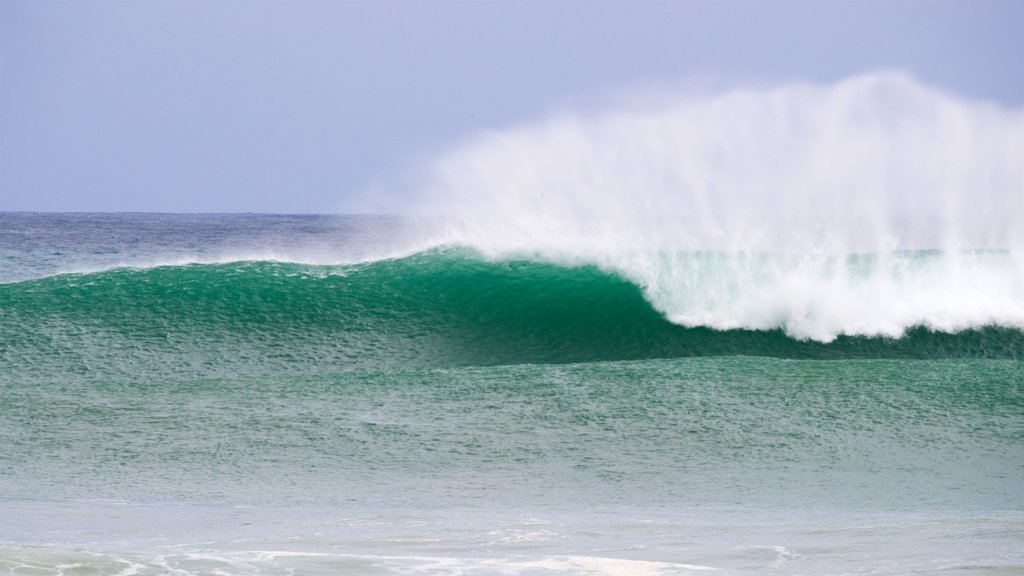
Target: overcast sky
{"type": "Point", "coordinates": [301, 106]}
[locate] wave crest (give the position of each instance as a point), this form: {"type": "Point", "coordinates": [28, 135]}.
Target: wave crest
{"type": "Point", "coordinates": [434, 309]}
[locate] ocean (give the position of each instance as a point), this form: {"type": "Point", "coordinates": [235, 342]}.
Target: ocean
{"type": "Point", "coordinates": [288, 394]}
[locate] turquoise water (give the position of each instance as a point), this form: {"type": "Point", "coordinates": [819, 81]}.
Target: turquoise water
{"type": "Point", "coordinates": [174, 400]}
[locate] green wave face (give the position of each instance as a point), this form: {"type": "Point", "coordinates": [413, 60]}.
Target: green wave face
{"type": "Point", "coordinates": [434, 309]}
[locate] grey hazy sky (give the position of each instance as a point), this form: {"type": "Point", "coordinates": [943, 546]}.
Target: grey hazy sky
{"type": "Point", "coordinates": [302, 106]}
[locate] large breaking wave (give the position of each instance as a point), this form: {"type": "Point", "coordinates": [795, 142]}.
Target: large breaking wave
{"type": "Point", "coordinates": [435, 309]}
{"type": "Point", "coordinates": [872, 218]}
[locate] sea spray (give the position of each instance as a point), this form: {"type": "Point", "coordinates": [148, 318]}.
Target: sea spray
{"type": "Point", "coordinates": [862, 208]}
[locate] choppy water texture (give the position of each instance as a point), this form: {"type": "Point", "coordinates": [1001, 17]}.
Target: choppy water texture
{"type": "Point", "coordinates": [302, 395]}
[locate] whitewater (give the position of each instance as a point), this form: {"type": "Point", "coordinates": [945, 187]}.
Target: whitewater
{"type": "Point", "coordinates": [865, 207]}
{"type": "Point", "coordinates": [767, 330]}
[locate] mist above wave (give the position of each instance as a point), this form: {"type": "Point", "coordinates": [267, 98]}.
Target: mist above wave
{"type": "Point", "coordinates": [873, 163]}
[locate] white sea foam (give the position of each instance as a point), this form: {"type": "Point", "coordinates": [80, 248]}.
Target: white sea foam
{"type": "Point", "coordinates": [740, 209]}
{"type": "Point", "coordinates": [596, 566]}
{"type": "Point", "coordinates": [244, 562]}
